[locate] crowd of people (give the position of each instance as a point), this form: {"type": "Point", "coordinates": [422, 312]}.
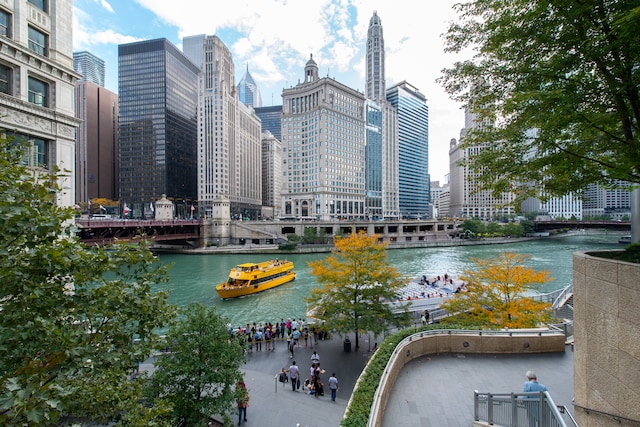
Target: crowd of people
{"type": "Point", "coordinates": [313, 384]}
{"type": "Point", "coordinates": [296, 333]}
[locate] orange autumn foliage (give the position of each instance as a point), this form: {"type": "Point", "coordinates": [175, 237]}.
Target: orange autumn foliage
{"type": "Point", "coordinates": [496, 295]}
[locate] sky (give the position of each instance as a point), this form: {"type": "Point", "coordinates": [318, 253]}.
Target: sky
{"type": "Point", "coordinates": [275, 38]}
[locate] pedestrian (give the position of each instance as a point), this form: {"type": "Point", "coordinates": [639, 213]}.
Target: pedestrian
{"type": "Point", "coordinates": [243, 402]}
{"type": "Point", "coordinates": [533, 406]}
{"type": "Point", "coordinates": [294, 375]}
{"type": "Point", "coordinates": [291, 345]}
{"type": "Point", "coordinates": [333, 385]}
{"type": "Point", "coordinates": [315, 358]}
{"type": "Point", "coordinates": [317, 382]}
{"type": "Point", "coordinates": [258, 339]}
{"type": "Point", "coordinates": [267, 338]}
{"type": "Point", "coordinates": [296, 336]}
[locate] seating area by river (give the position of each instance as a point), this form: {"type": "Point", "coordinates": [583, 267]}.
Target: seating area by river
{"type": "Point", "coordinates": [435, 289]}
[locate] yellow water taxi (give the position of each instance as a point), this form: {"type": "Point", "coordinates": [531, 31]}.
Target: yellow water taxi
{"type": "Point", "coordinates": [251, 278]}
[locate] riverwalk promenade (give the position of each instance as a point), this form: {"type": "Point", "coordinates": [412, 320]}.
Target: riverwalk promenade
{"type": "Point", "coordinates": [432, 391]}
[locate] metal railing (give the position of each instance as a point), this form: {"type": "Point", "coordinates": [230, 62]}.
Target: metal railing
{"type": "Point", "coordinates": [517, 410]}
{"type": "Point", "coordinates": [377, 407]}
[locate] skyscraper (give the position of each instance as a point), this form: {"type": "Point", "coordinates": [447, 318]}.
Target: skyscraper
{"type": "Point", "coordinates": [271, 119]}
{"type": "Point", "coordinates": [413, 149]}
{"type": "Point", "coordinates": [323, 140]}
{"type": "Point", "coordinates": [381, 150]}
{"type": "Point", "coordinates": [89, 66]}
{"type": "Point", "coordinates": [37, 82]}
{"type": "Point", "coordinates": [466, 199]}
{"type": "Point", "coordinates": [97, 142]}
{"type": "Point", "coordinates": [376, 89]}
{"type": "Point", "coordinates": [192, 48]}
{"type": "Point", "coordinates": [271, 173]}
{"type": "Point", "coordinates": [248, 91]}
{"type": "Point", "coordinates": [157, 125]}
{"type": "Point", "coordinates": [229, 137]}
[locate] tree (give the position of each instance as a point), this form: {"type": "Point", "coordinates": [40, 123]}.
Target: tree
{"type": "Point", "coordinates": [75, 320]}
{"type": "Point", "coordinates": [474, 226]}
{"type": "Point", "coordinates": [495, 295]}
{"type": "Point", "coordinates": [357, 286]}
{"type": "Point", "coordinates": [199, 374]}
{"type": "Point", "coordinates": [556, 86]}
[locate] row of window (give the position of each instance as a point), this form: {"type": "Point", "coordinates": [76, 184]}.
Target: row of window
{"type": "Point", "coordinates": [38, 41]}
{"type": "Point", "coordinates": [38, 90]}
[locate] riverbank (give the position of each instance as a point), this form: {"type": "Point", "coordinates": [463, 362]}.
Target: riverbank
{"type": "Point", "coordinates": [312, 249]}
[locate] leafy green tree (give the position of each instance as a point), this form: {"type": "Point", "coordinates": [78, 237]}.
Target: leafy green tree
{"type": "Point", "coordinates": [75, 320]}
{"type": "Point", "coordinates": [512, 229]}
{"type": "Point", "coordinates": [475, 226]}
{"type": "Point", "coordinates": [556, 85]}
{"type": "Point", "coordinates": [357, 282]}
{"type": "Point", "coordinates": [527, 226]}
{"type": "Point", "coordinates": [494, 229]}
{"type": "Point", "coordinates": [495, 295]}
{"type": "Point", "coordinates": [200, 373]}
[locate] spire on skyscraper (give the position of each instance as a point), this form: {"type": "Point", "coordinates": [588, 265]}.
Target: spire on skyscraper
{"type": "Point", "coordinates": [375, 59]}
{"type": "Point", "coordinates": [248, 91]}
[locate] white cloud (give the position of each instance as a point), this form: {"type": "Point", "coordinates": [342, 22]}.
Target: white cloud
{"type": "Point", "coordinates": [105, 4]}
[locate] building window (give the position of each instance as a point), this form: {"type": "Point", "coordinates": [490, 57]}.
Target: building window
{"type": "Point", "coordinates": [5, 79]}
{"type": "Point", "coordinates": [38, 92]}
{"type": "Point", "coordinates": [38, 153]}
{"type": "Point", "coordinates": [5, 24]}
{"type": "Point", "coordinates": [35, 154]}
{"type": "Point", "coordinates": [40, 4]}
{"type": "Point", "coordinates": [38, 41]}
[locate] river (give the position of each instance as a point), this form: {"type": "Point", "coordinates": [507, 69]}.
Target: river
{"type": "Point", "coordinates": [193, 277]}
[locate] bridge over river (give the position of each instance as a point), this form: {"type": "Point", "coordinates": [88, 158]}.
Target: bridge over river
{"type": "Point", "coordinates": [569, 224]}
{"type": "Point", "coordinates": [192, 233]}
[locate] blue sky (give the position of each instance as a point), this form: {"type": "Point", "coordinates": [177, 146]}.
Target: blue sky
{"type": "Point", "coordinates": [274, 38]}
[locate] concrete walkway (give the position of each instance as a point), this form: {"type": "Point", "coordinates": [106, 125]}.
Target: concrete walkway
{"type": "Point", "coordinates": [275, 404]}
{"type": "Point", "coordinates": [430, 391]}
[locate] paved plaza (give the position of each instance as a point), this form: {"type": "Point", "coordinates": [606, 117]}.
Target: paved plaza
{"type": "Point", "coordinates": [431, 391]}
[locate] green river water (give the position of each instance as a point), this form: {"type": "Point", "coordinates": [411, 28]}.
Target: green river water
{"type": "Point", "coordinates": [193, 277]}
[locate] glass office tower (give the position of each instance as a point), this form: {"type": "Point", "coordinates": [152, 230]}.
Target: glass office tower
{"type": "Point", "coordinates": [90, 67]}
{"type": "Point", "coordinates": [248, 91]}
{"type": "Point", "coordinates": [157, 126]}
{"type": "Point", "coordinates": [373, 160]}
{"type": "Point", "coordinates": [271, 118]}
{"type": "Point", "coordinates": [413, 155]}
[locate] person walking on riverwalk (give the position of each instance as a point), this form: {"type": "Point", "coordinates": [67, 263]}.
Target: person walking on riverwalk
{"type": "Point", "coordinates": [294, 374]}
{"type": "Point", "coordinates": [291, 345]}
{"type": "Point", "coordinates": [243, 402]}
{"type": "Point", "coordinates": [333, 386]}
{"type": "Point", "coordinates": [533, 407]}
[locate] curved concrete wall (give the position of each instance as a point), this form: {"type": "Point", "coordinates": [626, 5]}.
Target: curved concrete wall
{"type": "Point", "coordinates": [519, 341]}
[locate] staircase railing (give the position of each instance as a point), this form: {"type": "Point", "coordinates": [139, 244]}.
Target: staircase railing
{"type": "Point", "coordinates": [517, 409]}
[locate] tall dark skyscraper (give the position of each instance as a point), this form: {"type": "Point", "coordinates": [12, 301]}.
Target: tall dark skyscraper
{"type": "Point", "coordinates": [271, 118]}
{"type": "Point", "coordinates": [157, 125]}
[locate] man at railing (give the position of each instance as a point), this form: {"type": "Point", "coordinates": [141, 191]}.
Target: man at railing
{"type": "Point", "coordinates": [533, 408]}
